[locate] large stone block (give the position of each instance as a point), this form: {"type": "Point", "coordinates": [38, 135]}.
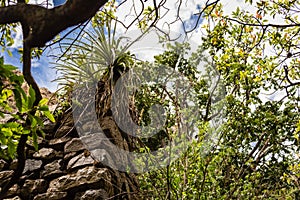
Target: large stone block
{"type": "Point", "coordinates": [80, 178]}
{"type": "Point", "coordinates": [32, 165]}
{"type": "Point", "coordinates": [74, 145]}
{"type": "Point", "coordinates": [51, 196]}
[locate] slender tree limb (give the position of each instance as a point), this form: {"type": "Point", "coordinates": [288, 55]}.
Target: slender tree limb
{"type": "Point", "coordinates": [207, 5]}
{"type": "Point", "coordinates": [156, 13]}
{"type": "Point", "coordinates": [27, 73]}
{"type": "Point", "coordinates": [70, 46]}
{"type": "Point", "coordinates": [263, 25]}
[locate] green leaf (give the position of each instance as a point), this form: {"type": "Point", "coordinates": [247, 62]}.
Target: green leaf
{"type": "Point", "coordinates": [49, 115]}
{"type": "Point", "coordinates": [1, 61]}
{"type": "Point", "coordinates": [43, 102]}
{"type": "Point", "coordinates": [17, 117]}
{"type": "Point", "coordinates": [22, 93]}
{"type": "Point", "coordinates": [33, 121]}
{"type": "Point", "coordinates": [10, 67]}
{"type": "Point", "coordinates": [42, 133]}
{"type": "Point", "coordinates": [18, 99]}
{"type": "Point", "coordinates": [39, 121]}
{"type": "Point", "coordinates": [9, 53]}
{"type": "Point", "coordinates": [35, 140]}
{"type": "Point", "coordinates": [11, 148]}
{"type": "Point", "coordinates": [7, 132]}
{"type": "Point", "coordinates": [43, 108]}
{"type": "Point", "coordinates": [31, 98]}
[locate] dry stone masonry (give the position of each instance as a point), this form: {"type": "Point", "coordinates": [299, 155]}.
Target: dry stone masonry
{"type": "Point", "coordinates": [64, 169]}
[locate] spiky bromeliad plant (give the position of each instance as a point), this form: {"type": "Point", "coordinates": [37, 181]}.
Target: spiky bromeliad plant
{"type": "Point", "coordinates": [96, 53]}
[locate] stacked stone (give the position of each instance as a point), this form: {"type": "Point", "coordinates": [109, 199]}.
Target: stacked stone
{"type": "Point", "coordinates": [64, 169]}
{"type": "Point", "coordinates": [61, 169]}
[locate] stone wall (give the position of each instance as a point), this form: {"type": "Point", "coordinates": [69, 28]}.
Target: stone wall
{"type": "Point", "coordinates": [64, 169]}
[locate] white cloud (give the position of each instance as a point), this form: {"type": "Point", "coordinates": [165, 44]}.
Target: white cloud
{"type": "Point", "coordinates": [35, 63]}
{"type": "Point", "coordinates": [45, 3]}
{"type": "Point", "coordinates": [18, 38]}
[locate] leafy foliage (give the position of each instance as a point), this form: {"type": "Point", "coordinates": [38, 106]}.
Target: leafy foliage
{"type": "Point", "coordinates": [257, 154]}
{"type": "Point", "coordinates": [16, 106]}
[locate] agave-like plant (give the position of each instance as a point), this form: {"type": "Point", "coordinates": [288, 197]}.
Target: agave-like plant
{"type": "Point", "coordinates": [93, 55]}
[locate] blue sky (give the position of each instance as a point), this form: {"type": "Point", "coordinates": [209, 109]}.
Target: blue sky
{"type": "Point", "coordinates": [58, 2]}
{"type": "Point", "coordinates": [41, 71]}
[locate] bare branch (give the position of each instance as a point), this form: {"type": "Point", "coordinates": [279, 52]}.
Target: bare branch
{"type": "Point", "coordinates": [207, 5]}
{"type": "Point", "coordinates": [156, 13]}
{"type": "Point", "coordinates": [74, 40]}
{"type": "Point", "coordinates": [263, 25]}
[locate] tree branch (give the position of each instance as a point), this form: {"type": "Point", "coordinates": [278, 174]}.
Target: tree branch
{"type": "Point", "coordinates": [262, 25]}
{"type": "Point", "coordinates": [44, 24]}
